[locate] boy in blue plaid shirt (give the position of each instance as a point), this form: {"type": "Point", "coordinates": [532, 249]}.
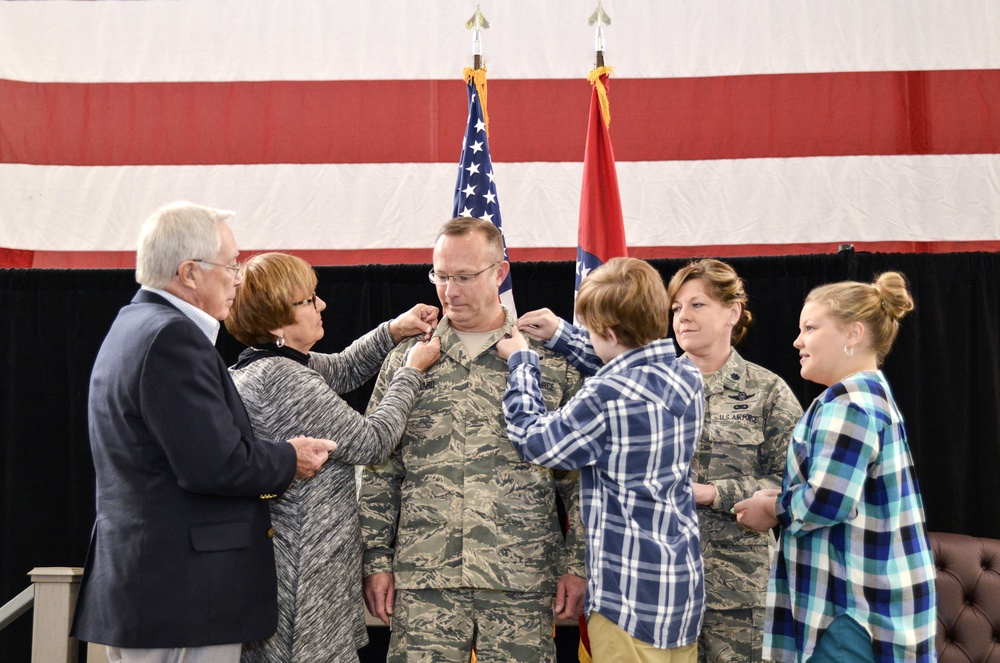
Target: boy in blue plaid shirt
{"type": "Point", "coordinates": [853, 578]}
{"type": "Point", "coordinates": [632, 430]}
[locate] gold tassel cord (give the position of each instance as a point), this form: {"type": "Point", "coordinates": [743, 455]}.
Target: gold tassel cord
{"type": "Point", "coordinates": [602, 92]}
{"type": "Point", "coordinates": [479, 76]}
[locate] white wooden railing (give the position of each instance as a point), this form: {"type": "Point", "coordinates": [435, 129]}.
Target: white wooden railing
{"type": "Point", "coordinates": [52, 594]}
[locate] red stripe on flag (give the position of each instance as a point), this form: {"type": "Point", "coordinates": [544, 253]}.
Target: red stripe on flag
{"type": "Point", "coordinates": [105, 124]}
{"type": "Point", "coordinates": [729, 117]}
{"type": "Point", "coordinates": [15, 258]}
{"type": "Point", "coordinates": [126, 259]}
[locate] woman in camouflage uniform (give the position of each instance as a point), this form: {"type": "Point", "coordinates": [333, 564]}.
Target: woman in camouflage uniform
{"type": "Point", "coordinates": [749, 416]}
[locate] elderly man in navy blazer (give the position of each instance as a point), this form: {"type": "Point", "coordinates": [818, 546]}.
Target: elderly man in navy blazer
{"type": "Point", "coordinates": [181, 566]}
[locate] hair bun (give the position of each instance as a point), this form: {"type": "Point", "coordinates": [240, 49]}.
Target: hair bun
{"type": "Point", "coordinates": [893, 294]}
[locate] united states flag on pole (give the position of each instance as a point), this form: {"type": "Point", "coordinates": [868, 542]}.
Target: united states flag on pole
{"type": "Point", "coordinates": [476, 191]}
{"type": "Point", "coordinates": [601, 232]}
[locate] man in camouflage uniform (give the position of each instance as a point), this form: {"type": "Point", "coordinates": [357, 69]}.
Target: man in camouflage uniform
{"type": "Point", "coordinates": [749, 416]}
{"type": "Point", "coordinates": [463, 542]}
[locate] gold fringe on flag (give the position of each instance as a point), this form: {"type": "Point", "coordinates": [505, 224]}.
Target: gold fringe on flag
{"type": "Point", "coordinates": [602, 93]}
{"type": "Point", "coordinates": [479, 76]}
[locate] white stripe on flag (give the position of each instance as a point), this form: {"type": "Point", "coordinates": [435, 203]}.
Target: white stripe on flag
{"type": "Point", "coordinates": [665, 203]}
{"type": "Point", "coordinates": [189, 40]}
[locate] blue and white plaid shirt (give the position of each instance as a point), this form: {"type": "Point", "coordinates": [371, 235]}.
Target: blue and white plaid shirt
{"type": "Point", "coordinates": [854, 541]}
{"type": "Point", "coordinates": [632, 428]}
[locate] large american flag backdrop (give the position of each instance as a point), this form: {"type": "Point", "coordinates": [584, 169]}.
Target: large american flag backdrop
{"type": "Point", "coordinates": [333, 128]}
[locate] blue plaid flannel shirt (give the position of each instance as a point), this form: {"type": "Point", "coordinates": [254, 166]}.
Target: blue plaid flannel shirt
{"type": "Point", "coordinates": [632, 429]}
{"type": "Point", "coordinates": [854, 541]}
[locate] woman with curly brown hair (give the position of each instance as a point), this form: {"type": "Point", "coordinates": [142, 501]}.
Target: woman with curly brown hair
{"type": "Point", "coordinates": [749, 416]}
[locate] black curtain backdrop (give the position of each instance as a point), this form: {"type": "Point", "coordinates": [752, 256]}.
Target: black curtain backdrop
{"type": "Point", "coordinates": [945, 371]}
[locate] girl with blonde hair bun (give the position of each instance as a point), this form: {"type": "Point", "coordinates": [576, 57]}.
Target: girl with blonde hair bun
{"type": "Point", "coordinates": [854, 577]}
{"type": "Point", "coordinates": [880, 305]}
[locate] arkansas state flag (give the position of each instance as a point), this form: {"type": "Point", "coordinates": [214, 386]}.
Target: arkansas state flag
{"type": "Point", "coordinates": [601, 233]}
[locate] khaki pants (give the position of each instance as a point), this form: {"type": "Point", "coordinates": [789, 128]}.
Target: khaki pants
{"type": "Point", "coordinates": [609, 643]}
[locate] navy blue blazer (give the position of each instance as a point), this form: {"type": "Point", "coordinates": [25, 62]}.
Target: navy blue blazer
{"type": "Point", "coordinates": [180, 554]}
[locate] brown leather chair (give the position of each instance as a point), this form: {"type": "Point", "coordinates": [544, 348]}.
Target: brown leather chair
{"type": "Point", "coordinates": [968, 598]}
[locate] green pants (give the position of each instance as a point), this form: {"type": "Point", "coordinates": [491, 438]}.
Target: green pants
{"type": "Point", "coordinates": [844, 640]}
{"type": "Point", "coordinates": [441, 626]}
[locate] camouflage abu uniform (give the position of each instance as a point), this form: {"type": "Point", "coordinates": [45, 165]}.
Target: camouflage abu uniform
{"type": "Point", "coordinates": [749, 416]}
{"type": "Point", "coordinates": [454, 506]}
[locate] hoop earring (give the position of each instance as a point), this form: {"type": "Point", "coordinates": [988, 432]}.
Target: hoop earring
{"type": "Point", "coordinates": [848, 351]}
{"type": "Point", "coordinates": [280, 341]}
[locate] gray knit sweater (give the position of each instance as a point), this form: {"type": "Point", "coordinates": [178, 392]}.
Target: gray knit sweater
{"type": "Point", "coordinates": [317, 540]}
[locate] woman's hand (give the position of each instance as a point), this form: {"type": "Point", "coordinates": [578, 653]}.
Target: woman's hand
{"type": "Point", "coordinates": [758, 512]}
{"type": "Point", "coordinates": [424, 354]}
{"type": "Point", "coordinates": [510, 344]}
{"type": "Point", "coordinates": [418, 321]}
{"type": "Point", "coordinates": [540, 324]}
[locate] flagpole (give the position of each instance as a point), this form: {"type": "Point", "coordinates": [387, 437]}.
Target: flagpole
{"type": "Point", "coordinates": [600, 18]}
{"type": "Point", "coordinates": [476, 23]}
{"type": "Point", "coordinates": [601, 232]}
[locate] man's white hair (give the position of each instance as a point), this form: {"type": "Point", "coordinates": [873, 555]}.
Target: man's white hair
{"type": "Point", "coordinates": [174, 233]}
